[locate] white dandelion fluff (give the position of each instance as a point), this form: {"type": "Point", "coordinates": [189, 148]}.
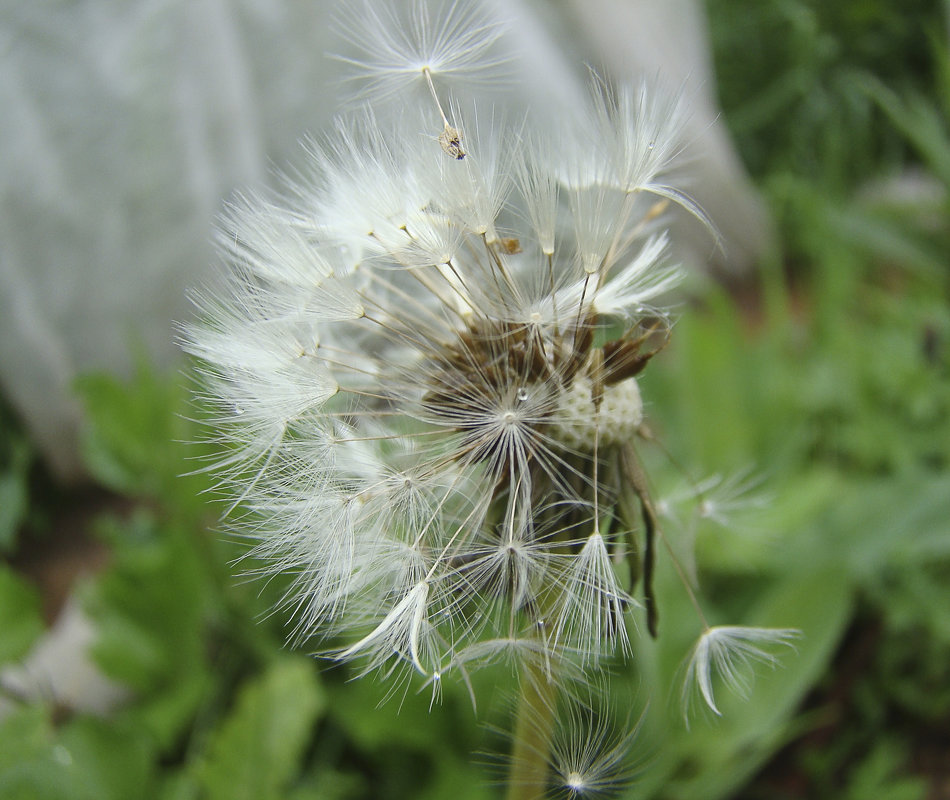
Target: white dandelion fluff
{"type": "Point", "coordinates": [590, 753]}
{"type": "Point", "coordinates": [731, 653]}
{"type": "Point", "coordinates": [427, 404]}
{"type": "Point", "coordinates": [448, 42]}
{"type": "Point", "coordinates": [423, 365]}
{"type": "Point", "coordinates": [591, 756]}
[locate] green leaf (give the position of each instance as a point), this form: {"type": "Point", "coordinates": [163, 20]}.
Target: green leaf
{"type": "Point", "coordinates": [180, 785]}
{"type": "Point", "coordinates": [916, 117]}
{"type": "Point", "coordinates": [880, 524]}
{"type": "Point", "coordinates": [151, 608]}
{"type": "Point", "coordinates": [256, 752]}
{"type": "Point", "coordinates": [24, 733]}
{"type": "Point", "coordinates": [88, 759]}
{"type": "Point", "coordinates": [110, 760]}
{"type": "Point", "coordinates": [31, 768]}
{"type": "Point", "coordinates": [330, 784]}
{"type": "Point", "coordinates": [20, 618]}
{"type": "Point", "coordinates": [421, 750]}
{"type": "Point", "coordinates": [137, 438]}
{"type": "Point", "coordinates": [878, 776]}
{"type": "Point", "coordinates": [149, 605]}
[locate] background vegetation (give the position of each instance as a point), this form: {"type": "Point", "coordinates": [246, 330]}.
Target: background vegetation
{"type": "Point", "coordinates": [827, 374]}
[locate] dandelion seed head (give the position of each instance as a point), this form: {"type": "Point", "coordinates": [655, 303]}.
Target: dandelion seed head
{"type": "Point", "coordinates": [413, 454]}
{"type": "Point", "coordinates": [579, 422]}
{"type": "Point", "coordinates": [424, 368]}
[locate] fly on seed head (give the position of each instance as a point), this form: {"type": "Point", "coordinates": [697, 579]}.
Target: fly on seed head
{"type": "Point", "coordinates": [450, 140]}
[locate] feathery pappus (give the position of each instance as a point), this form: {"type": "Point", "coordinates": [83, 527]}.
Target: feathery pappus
{"type": "Point", "coordinates": [423, 365]}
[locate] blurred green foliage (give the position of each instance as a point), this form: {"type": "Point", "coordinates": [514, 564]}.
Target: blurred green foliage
{"type": "Point", "coordinates": [791, 74]}
{"type": "Point", "coordinates": [20, 619]}
{"type": "Point", "coordinates": [830, 377]}
{"type": "Point", "coordinates": [16, 458]}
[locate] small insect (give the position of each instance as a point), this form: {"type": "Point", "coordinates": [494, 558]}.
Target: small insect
{"type": "Point", "coordinates": [450, 140]}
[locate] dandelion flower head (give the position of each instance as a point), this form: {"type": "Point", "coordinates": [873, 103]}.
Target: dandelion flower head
{"type": "Point", "coordinates": [423, 364]}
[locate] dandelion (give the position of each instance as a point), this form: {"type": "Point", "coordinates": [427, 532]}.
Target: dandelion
{"type": "Point", "coordinates": [423, 368]}
{"type": "Point", "coordinates": [432, 424]}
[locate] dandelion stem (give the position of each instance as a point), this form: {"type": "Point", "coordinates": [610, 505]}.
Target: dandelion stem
{"type": "Point", "coordinates": [528, 777]}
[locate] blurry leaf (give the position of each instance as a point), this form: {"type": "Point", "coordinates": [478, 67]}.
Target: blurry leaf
{"type": "Point", "coordinates": [790, 80]}
{"type": "Point", "coordinates": [90, 759]}
{"type": "Point", "coordinates": [920, 121]}
{"type": "Point", "coordinates": [878, 776]}
{"type": "Point", "coordinates": [257, 750]}
{"type": "Point", "coordinates": [130, 428]}
{"type": "Point", "coordinates": [150, 606]}
{"type": "Point", "coordinates": [911, 665]}
{"type": "Point", "coordinates": [23, 732]}
{"type": "Point", "coordinates": [883, 238]}
{"type": "Point", "coordinates": [14, 493]}
{"type": "Point", "coordinates": [329, 784]}
{"type": "Point", "coordinates": [881, 524]}
{"type": "Point", "coordinates": [420, 750]}
{"type": "Point", "coordinates": [31, 767]}
{"type": "Point", "coordinates": [109, 760]}
{"type": "Point", "coordinates": [20, 619]}
{"type": "Point", "coordinates": [409, 722]}
{"type": "Point", "coordinates": [136, 439]}
{"type": "Point", "coordinates": [179, 786]}
{"type": "Point", "coordinates": [169, 713]}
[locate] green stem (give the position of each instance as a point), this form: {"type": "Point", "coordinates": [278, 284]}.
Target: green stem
{"type": "Point", "coordinates": [534, 724]}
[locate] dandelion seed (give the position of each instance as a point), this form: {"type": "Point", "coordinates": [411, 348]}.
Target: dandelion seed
{"type": "Point", "coordinates": [593, 605]}
{"type": "Point", "coordinates": [721, 498]}
{"type": "Point", "coordinates": [590, 752]}
{"type": "Point", "coordinates": [450, 140]}
{"type": "Point", "coordinates": [731, 652]}
{"type": "Point", "coordinates": [422, 42]}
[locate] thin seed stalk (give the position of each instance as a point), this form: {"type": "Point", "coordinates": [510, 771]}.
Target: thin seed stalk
{"type": "Point", "coordinates": [534, 726]}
